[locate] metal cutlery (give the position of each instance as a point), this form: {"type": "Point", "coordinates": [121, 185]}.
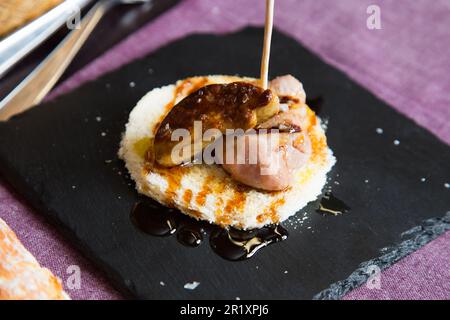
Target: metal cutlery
{"type": "Point", "coordinates": [40, 81]}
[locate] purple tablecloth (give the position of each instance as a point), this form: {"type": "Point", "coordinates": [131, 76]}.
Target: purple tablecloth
{"type": "Point", "coordinates": [406, 64]}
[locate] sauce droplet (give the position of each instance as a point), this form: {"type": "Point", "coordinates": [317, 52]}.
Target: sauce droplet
{"type": "Point", "coordinates": [149, 219]}
{"type": "Point", "coordinates": [329, 204]}
{"type": "Point", "coordinates": [189, 237]}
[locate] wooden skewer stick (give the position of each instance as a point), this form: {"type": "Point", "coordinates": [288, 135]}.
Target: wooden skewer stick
{"type": "Point", "coordinates": [267, 40]}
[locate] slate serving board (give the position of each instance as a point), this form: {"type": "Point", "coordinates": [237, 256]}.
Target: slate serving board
{"type": "Point", "coordinates": [55, 154]}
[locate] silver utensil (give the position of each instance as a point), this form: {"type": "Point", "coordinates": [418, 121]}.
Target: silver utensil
{"type": "Point", "coordinates": [16, 46]}
{"type": "Point", "coordinates": [41, 80]}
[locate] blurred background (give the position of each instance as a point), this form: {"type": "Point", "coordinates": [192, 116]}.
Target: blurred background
{"type": "Point", "coordinates": [116, 25]}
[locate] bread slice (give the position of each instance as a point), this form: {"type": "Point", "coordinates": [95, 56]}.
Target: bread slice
{"type": "Point", "coordinates": [207, 192]}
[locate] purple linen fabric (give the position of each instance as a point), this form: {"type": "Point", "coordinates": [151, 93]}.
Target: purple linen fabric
{"type": "Point", "coordinates": [425, 274]}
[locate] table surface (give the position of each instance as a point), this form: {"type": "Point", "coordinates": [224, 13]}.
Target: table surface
{"type": "Point", "coordinates": [405, 63]}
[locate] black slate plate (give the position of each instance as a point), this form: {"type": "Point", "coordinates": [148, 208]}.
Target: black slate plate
{"type": "Point", "coordinates": [55, 156]}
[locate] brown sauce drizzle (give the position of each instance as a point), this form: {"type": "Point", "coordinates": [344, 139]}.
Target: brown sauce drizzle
{"type": "Point", "coordinates": [200, 199]}
{"type": "Point", "coordinates": [319, 147]}
{"type": "Point", "coordinates": [288, 99]}
{"type": "Point", "coordinates": [234, 245]}
{"type": "Point", "coordinates": [173, 178]}
{"type": "Point", "coordinates": [157, 223]}
{"type": "Point", "coordinates": [271, 212]}
{"type": "Point", "coordinates": [187, 197]}
{"type": "Point", "coordinates": [185, 88]}
{"type": "Point", "coordinates": [231, 244]}
{"type": "Point", "coordinates": [234, 205]}
{"type": "Point", "coordinates": [175, 174]}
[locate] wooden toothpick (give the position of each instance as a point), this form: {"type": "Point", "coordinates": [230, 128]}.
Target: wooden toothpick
{"type": "Point", "coordinates": [266, 47]}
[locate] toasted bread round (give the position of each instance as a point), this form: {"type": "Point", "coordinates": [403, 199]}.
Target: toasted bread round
{"type": "Point", "coordinates": [207, 192]}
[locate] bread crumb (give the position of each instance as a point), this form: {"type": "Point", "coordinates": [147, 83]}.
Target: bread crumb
{"type": "Point", "coordinates": [191, 285]}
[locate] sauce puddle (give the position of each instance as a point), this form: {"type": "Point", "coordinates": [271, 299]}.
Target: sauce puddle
{"type": "Point", "coordinates": [329, 204]}
{"type": "Point", "coordinates": [234, 245]}
{"type": "Point", "coordinates": [190, 237]}
{"type": "Point", "coordinates": [156, 223]}
{"type": "Point", "coordinates": [231, 244]}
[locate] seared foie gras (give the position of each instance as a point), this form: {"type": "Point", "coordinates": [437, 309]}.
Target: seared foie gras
{"type": "Point", "coordinates": [237, 105]}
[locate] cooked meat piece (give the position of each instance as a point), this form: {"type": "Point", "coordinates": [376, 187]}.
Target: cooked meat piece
{"type": "Point", "coordinates": [289, 88]}
{"type": "Point", "coordinates": [268, 160]}
{"type": "Point", "coordinates": [237, 105]}
{"type": "Point", "coordinates": [291, 120]}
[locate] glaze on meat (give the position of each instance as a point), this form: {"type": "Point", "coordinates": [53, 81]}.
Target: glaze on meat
{"type": "Point", "coordinates": [237, 105]}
